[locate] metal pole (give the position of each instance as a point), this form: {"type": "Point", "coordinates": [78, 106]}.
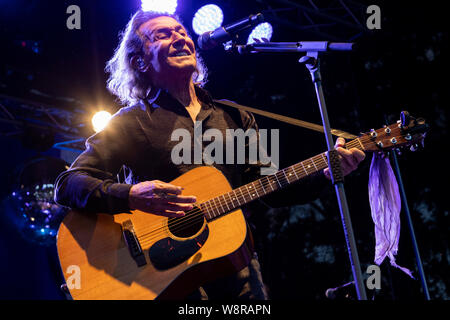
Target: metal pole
{"type": "Point", "coordinates": [410, 226]}
{"type": "Point", "coordinates": [312, 63]}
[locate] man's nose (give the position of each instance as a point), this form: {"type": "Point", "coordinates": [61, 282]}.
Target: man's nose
{"type": "Point", "coordinates": [179, 40]}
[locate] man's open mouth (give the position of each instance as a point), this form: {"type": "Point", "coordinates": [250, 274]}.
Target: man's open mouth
{"type": "Point", "coordinates": [180, 54]}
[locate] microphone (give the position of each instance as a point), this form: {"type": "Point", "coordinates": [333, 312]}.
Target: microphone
{"type": "Point", "coordinates": [211, 39]}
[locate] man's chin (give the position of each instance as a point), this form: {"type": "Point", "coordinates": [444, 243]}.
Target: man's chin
{"type": "Point", "coordinates": [183, 68]}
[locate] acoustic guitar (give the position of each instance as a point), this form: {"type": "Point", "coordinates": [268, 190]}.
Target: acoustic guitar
{"type": "Point", "coordinates": [145, 256]}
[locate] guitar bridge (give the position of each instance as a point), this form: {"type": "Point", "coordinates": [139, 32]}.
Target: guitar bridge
{"type": "Point", "coordinates": [133, 243]}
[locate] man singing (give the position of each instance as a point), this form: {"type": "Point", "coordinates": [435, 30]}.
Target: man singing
{"type": "Point", "coordinates": [157, 75]}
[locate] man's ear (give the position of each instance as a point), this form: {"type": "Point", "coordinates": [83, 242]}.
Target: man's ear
{"type": "Point", "coordinates": [138, 63]}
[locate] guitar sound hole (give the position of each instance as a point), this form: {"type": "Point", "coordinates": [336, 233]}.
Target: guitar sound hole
{"type": "Point", "coordinates": [188, 225]}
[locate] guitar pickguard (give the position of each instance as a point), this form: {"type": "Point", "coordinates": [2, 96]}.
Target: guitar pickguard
{"type": "Point", "coordinates": [168, 253]}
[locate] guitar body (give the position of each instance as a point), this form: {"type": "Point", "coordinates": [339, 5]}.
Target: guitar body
{"type": "Point", "coordinates": [92, 247]}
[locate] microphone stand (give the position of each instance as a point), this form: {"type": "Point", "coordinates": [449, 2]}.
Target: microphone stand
{"type": "Point", "coordinates": [311, 61]}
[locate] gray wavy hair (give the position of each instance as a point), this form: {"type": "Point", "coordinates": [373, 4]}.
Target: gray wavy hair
{"type": "Point", "coordinates": [128, 84]}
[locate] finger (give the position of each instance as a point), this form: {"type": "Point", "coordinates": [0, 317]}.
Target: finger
{"type": "Point", "coordinates": [340, 142]}
{"type": "Point", "coordinates": [169, 213]}
{"type": "Point", "coordinates": [326, 172]}
{"type": "Point", "coordinates": [181, 199]}
{"type": "Point", "coordinates": [167, 188]}
{"type": "Point", "coordinates": [174, 214]}
{"type": "Point", "coordinates": [348, 162]}
{"type": "Point", "coordinates": [358, 154]}
{"type": "Point", "coordinates": [344, 152]}
{"type": "Point", "coordinates": [165, 198]}
{"type": "Point", "coordinates": [176, 207]}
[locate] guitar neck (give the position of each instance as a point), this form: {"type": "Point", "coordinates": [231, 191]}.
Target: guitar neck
{"type": "Point", "coordinates": [238, 197]}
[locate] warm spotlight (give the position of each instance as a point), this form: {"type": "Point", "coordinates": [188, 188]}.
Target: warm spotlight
{"type": "Point", "coordinates": [100, 120]}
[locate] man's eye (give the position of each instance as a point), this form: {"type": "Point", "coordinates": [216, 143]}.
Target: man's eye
{"type": "Point", "coordinates": [160, 36]}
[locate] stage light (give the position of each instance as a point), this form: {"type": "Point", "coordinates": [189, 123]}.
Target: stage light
{"type": "Point", "coordinates": [30, 207]}
{"type": "Point", "coordinates": [207, 18]}
{"type": "Point", "coordinates": [100, 120]}
{"type": "Point", "coordinates": [262, 30]}
{"type": "Point", "coordinates": [163, 6]}
{"type": "Point", "coordinates": [35, 213]}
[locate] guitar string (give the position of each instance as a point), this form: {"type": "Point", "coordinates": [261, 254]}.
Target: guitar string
{"type": "Point", "coordinates": [193, 215]}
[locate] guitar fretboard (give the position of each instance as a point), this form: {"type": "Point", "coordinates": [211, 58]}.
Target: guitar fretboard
{"type": "Point", "coordinates": [238, 197]}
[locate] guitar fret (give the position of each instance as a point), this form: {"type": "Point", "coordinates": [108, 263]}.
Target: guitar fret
{"type": "Point", "coordinates": [313, 162]}
{"type": "Point", "coordinates": [297, 167]}
{"type": "Point", "coordinates": [270, 183]}
{"type": "Point", "coordinates": [236, 197]}
{"type": "Point", "coordinates": [295, 172]}
{"type": "Point", "coordinates": [308, 166]}
{"type": "Point", "coordinates": [285, 176]}
{"type": "Point", "coordinates": [254, 188]}
{"type": "Point", "coordinates": [277, 179]}
{"type": "Point", "coordinates": [262, 186]}
{"type": "Point", "coordinates": [243, 196]}
{"type": "Point", "coordinates": [289, 170]}
{"type": "Point", "coordinates": [221, 206]}
{"type": "Point", "coordinates": [223, 196]}
{"type": "Point", "coordinates": [360, 143]}
{"type": "Point", "coordinates": [212, 210]}
{"type": "Point", "coordinates": [282, 180]}
{"type": "Point", "coordinates": [249, 193]}
{"type": "Point", "coordinates": [306, 172]}
{"type": "Point", "coordinates": [217, 207]}
{"type": "Point", "coordinates": [214, 207]}
{"type": "Point", "coordinates": [325, 159]}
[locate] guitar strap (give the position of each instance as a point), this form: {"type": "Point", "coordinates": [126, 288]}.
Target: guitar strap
{"type": "Point", "coordinates": [293, 121]}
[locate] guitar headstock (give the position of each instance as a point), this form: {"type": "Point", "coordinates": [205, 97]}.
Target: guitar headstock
{"type": "Point", "coordinates": [408, 131]}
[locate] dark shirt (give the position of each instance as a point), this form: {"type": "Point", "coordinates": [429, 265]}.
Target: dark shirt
{"type": "Point", "coordinates": [137, 142]}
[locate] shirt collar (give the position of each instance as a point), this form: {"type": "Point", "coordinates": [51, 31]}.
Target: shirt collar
{"type": "Point", "coordinates": [161, 96]}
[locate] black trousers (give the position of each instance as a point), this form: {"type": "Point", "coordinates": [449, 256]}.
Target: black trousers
{"type": "Point", "coordinates": [246, 284]}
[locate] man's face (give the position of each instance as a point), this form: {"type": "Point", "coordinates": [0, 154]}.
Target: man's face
{"type": "Point", "coordinates": [169, 49]}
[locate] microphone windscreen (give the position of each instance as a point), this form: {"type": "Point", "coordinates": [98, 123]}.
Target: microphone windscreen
{"type": "Point", "coordinates": [203, 40]}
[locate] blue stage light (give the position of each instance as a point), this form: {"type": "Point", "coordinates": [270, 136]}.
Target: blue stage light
{"type": "Point", "coordinates": [164, 6]}
{"type": "Point", "coordinates": [262, 30]}
{"type": "Point", "coordinates": [207, 18]}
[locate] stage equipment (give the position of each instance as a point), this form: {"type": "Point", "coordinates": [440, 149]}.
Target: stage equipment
{"type": "Point", "coordinates": [405, 119]}
{"type": "Point", "coordinates": [211, 39]}
{"type": "Point", "coordinates": [100, 120]}
{"type": "Point", "coordinates": [162, 6]}
{"type": "Point", "coordinates": [208, 17]}
{"type": "Point", "coordinates": [262, 33]}
{"type": "Point", "coordinates": [311, 61]}
{"type": "Point", "coordinates": [30, 206]}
